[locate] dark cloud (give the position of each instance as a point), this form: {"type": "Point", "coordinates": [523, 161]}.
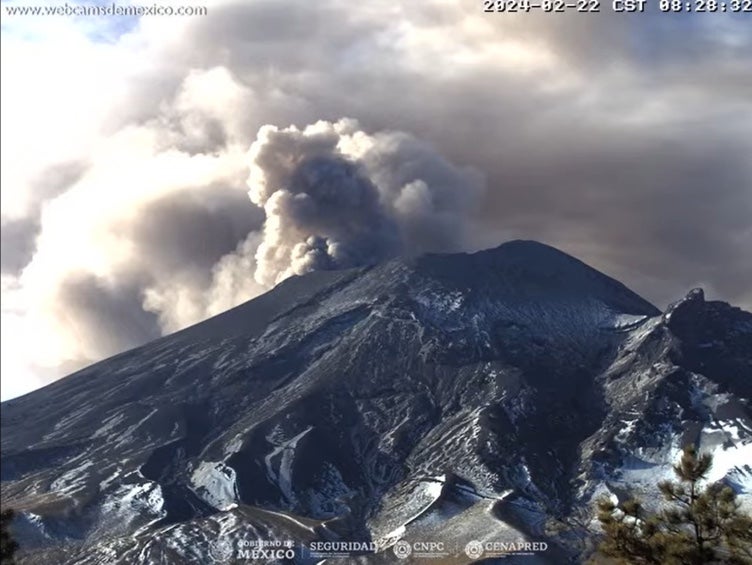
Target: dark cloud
{"type": "Point", "coordinates": [18, 234]}
{"type": "Point", "coordinates": [17, 244]}
{"type": "Point", "coordinates": [90, 305]}
{"type": "Point", "coordinates": [191, 231]}
{"type": "Point", "coordinates": [55, 180]}
{"type": "Point", "coordinates": [337, 204]}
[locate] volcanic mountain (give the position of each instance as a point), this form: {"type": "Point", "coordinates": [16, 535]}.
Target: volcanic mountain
{"type": "Point", "coordinates": [486, 397]}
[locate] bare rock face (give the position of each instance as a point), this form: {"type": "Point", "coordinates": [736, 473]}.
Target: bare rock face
{"type": "Point", "coordinates": [446, 397]}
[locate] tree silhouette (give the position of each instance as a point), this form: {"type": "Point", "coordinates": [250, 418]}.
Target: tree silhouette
{"type": "Point", "coordinates": [699, 525]}
{"type": "Point", "coordinates": [8, 545]}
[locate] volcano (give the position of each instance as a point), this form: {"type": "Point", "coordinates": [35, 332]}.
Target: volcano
{"type": "Point", "coordinates": [424, 404]}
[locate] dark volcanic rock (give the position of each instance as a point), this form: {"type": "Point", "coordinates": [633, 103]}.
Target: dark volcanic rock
{"type": "Point", "coordinates": [446, 397]}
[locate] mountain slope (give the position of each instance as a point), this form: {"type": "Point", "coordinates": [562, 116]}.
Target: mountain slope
{"type": "Point", "coordinates": [446, 397]}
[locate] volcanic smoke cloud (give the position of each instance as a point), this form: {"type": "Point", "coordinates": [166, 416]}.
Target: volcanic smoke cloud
{"type": "Point", "coordinates": [336, 197]}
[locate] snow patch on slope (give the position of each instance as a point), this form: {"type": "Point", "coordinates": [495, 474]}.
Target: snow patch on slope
{"type": "Point", "coordinates": [215, 483]}
{"type": "Point", "coordinates": [279, 462]}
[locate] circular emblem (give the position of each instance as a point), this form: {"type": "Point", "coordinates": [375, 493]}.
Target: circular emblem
{"type": "Point", "coordinates": [221, 551]}
{"type": "Point", "coordinates": [402, 549]}
{"type": "Point", "coordinates": [474, 549]}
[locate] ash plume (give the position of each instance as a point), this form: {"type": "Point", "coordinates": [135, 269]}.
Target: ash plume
{"type": "Point", "coordinates": [336, 197]}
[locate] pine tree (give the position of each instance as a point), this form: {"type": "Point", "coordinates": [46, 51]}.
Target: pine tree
{"type": "Point", "coordinates": [698, 525]}
{"type": "Point", "coordinates": [8, 545]}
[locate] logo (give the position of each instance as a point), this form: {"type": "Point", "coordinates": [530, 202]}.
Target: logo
{"type": "Point", "coordinates": [221, 550]}
{"type": "Point", "coordinates": [402, 549]}
{"type": "Point", "coordinates": [474, 549]}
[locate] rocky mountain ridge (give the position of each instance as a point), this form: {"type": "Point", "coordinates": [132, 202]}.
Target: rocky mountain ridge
{"type": "Point", "coordinates": [484, 397]}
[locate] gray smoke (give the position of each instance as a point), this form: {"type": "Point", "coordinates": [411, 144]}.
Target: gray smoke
{"type": "Point", "coordinates": [337, 197]}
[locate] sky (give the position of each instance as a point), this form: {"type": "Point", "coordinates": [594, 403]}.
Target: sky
{"type": "Point", "coordinates": [159, 170]}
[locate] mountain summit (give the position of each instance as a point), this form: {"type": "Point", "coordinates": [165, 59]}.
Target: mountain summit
{"type": "Point", "coordinates": [457, 398]}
